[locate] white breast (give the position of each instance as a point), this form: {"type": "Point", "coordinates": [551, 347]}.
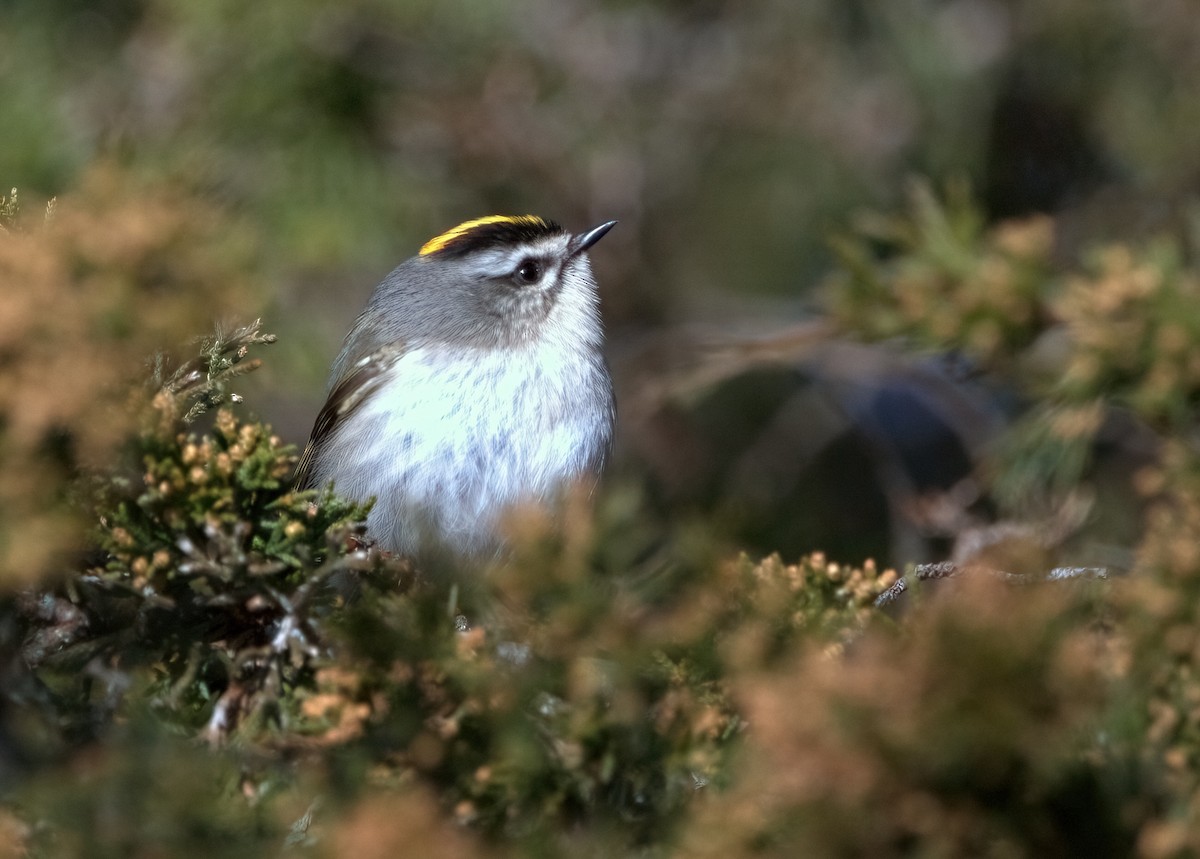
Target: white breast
{"type": "Point", "coordinates": [448, 442]}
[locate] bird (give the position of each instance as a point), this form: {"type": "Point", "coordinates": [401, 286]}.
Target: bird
{"type": "Point", "coordinates": [473, 381]}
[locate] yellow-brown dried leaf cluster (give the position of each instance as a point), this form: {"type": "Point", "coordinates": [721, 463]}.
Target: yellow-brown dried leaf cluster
{"type": "Point", "coordinates": [1159, 606]}
{"type": "Point", "coordinates": [944, 734]}
{"type": "Point", "coordinates": [1120, 327]}
{"type": "Point", "coordinates": [86, 299]}
{"type": "Point", "coordinates": [1133, 320]}
{"type": "Point", "coordinates": [954, 284]}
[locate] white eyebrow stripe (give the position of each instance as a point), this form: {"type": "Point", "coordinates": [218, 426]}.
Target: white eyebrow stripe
{"type": "Point", "coordinates": [499, 262]}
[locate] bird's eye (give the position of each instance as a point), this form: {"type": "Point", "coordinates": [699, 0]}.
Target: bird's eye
{"type": "Point", "coordinates": [528, 272]}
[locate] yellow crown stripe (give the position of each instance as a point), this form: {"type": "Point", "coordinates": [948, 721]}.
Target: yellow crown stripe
{"type": "Point", "coordinates": [438, 242]}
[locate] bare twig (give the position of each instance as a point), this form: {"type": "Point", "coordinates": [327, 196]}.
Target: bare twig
{"type": "Point", "coordinates": [950, 570]}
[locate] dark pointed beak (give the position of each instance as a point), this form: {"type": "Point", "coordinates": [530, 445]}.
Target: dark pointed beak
{"type": "Point", "coordinates": [583, 241]}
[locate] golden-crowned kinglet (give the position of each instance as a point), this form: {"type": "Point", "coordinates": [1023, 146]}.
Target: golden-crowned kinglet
{"type": "Point", "coordinates": [473, 381]}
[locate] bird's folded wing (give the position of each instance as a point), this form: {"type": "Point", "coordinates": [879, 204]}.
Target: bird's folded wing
{"type": "Point", "coordinates": [347, 395]}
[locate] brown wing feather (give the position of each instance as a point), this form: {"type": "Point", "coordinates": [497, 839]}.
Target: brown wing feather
{"type": "Point", "coordinates": [346, 396]}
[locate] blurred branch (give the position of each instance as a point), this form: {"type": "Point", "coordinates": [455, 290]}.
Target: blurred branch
{"type": "Point", "coordinates": [950, 570]}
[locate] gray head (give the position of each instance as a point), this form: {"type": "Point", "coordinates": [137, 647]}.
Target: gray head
{"type": "Point", "coordinates": [491, 282]}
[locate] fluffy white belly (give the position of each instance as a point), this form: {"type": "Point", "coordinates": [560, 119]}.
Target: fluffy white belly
{"type": "Point", "coordinates": [446, 444]}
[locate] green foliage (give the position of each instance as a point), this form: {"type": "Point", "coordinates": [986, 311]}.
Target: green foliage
{"type": "Point", "coordinates": [726, 138]}
{"type": "Point", "coordinates": [209, 550]}
{"type": "Point", "coordinates": [617, 685]}
{"type": "Point", "coordinates": [1132, 318]}
{"type": "Point", "coordinates": [1079, 340]}
{"type": "Point", "coordinates": [1107, 343]}
{"type": "Point", "coordinates": [145, 793]}
{"type": "Point", "coordinates": [947, 279]}
{"type": "Point", "coordinates": [554, 690]}
{"type": "Point", "coordinates": [614, 683]}
{"type": "Point", "coordinates": [576, 695]}
{"type": "Point", "coordinates": [1117, 329]}
{"type": "Point", "coordinates": [9, 210]}
{"type": "Point", "coordinates": [213, 566]}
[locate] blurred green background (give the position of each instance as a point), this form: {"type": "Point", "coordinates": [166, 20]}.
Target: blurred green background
{"type": "Point", "coordinates": [727, 137]}
{"type": "Point", "coordinates": [730, 139]}
{"type": "Point", "coordinates": [292, 152]}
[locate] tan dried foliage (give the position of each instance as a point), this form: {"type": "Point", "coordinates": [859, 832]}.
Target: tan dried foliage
{"type": "Point", "coordinates": [897, 740]}
{"type": "Point", "coordinates": [1160, 604]}
{"type": "Point", "coordinates": [404, 824]}
{"type": "Point", "coordinates": [1133, 322]}
{"type": "Point", "coordinates": [118, 274]}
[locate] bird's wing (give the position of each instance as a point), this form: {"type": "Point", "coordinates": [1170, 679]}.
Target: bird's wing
{"type": "Point", "coordinates": [347, 395]}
